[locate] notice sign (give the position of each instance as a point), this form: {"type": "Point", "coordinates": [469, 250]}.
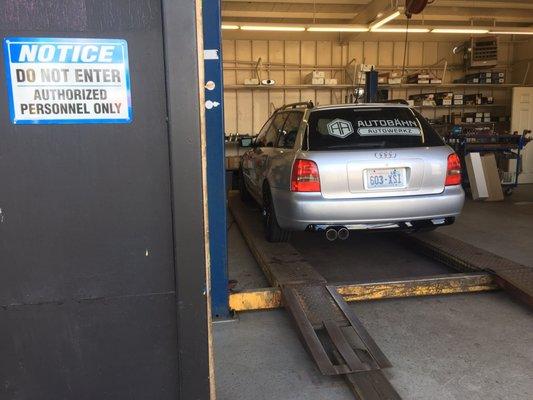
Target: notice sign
{"type": "Point", "coordinates": [67, 81]}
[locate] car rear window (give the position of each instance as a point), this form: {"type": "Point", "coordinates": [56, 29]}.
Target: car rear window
{"type": "Point", "coordinates": [360, 128]}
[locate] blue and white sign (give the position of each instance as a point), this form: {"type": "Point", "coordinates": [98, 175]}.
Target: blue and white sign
{"type": "Point", "coordinates": [68, 81]}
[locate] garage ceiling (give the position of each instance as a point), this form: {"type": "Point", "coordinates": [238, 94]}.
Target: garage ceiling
{"type": "Point", "coordinates": [514, 13]}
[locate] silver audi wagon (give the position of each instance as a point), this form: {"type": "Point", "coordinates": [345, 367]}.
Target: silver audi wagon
{"type": "Point", "coordinates": [340, 168]}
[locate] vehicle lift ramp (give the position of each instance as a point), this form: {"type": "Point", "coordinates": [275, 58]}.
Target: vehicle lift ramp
{"type": "Point", "coordinates": [332, 333]}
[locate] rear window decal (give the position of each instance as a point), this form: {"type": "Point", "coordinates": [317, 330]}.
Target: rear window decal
{"type": "Point", "coordinates": [340, 128]}
{"type": "Point", "coordinates": [383, 127]}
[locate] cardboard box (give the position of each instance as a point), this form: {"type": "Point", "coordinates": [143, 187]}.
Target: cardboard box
{"type": "Point", "coordinates": [444, 98]}
{"type": "Point", "coordinates": [365, 67]}
{"type": "Point", "coordinates": [315, 75]}
{"type": "Point", "coordinates": [472, 99]}
{"type": "Point", "coordinates": [492, 178]}
{"type": "Point", "coordinates": [476, 176]}
{"type": "Point", "coordinates": [233, 163]}
{"type": "Point", "coordinates": [316, 81]}
{"type": "Point", "coordinates": [414, 78]}
{"type": "Point", "coordinates": [395, 81]}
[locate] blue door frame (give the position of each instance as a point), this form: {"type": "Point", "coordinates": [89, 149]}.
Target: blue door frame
{"type": "Point", "coordinates": [216, 186]}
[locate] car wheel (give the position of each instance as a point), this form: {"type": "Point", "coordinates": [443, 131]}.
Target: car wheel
{"type": "Point", "coordinates": [273, 232]}
{"type": "Point", "coordinates": [245, 194]}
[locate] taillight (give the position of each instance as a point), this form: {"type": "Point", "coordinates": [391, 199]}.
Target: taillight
{"type": "Point", "coordinates": [453, 171]}
{"type": "Point", "coordinates": [305, 177]}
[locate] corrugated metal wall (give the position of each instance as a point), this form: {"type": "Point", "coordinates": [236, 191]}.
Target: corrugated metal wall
{"type": "Point", "coordinates": [246, 109]}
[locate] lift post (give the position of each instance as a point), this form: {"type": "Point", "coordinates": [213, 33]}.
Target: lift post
{"type": "Point", "coordinates": [216, 186]}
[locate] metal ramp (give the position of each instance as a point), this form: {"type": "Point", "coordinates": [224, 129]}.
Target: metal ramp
{"type": "Point", "coordinates": [516, 278]}
{"type": "Point", "coordinates": [331, 332]}
{"type": "Point", "coordinates": [335, 337]}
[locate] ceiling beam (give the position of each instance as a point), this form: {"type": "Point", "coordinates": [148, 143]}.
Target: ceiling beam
{"type": "Point", "coordinates": [309, 2]}
{"type": "Point", "coordinates": [472, 13]}
{"type": "Point", "coordinates": [353, 11]}
{"type": "Point", "coordinates": [368, 13]}
{"type": "Point", "coordinates": [287, 15]}
{"type": "Point", "coordinates": [527, 5]}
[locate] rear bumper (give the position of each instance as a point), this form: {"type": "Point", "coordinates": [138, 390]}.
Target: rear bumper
{"type": "Point", "coordinates": [296, 211]}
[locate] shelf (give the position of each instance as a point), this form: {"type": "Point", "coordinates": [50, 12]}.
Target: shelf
{"type": "Point", "coordinates": [465, 106]}
{"type": "Point", "coordinates": [452, 85]}
{"type": "Point", "coordinates": [381, 86]}
{"type": "Point", "coordinates": [285, 87]}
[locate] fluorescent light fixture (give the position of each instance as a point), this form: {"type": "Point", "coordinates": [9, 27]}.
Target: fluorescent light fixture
{"type": "Point", "coordinates": [460, 30]}
{"type": "Point", "coordinates": [230, 27]}
{"type": "Point", "coordinates": [276, 28]}
{"type": "Point", "coordinates": [403, 29]}
{"type": "Point", "coordinates": [338, 28]}
{"type": "Point", "coordinates": [383, 21]}
{"type": "Point", "coordinates": [511, 32]}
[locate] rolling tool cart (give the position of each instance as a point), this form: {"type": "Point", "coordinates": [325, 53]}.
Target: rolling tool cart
{"type": "Point", "coordinates": [469, 138]}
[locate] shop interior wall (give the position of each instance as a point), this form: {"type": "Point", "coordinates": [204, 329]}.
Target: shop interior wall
{"type": "Point", "coordinates": [246, 109]}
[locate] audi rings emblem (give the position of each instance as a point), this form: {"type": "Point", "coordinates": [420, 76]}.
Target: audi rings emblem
{"type": "Point", "coordinates": [385, 154]}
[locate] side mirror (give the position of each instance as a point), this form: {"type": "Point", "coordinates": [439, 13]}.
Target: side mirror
{"type": "Point", "coordinates": [246, 142]}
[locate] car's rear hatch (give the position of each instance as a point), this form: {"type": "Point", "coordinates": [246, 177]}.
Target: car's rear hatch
{"type": "Point", "coordinates": [364, 152]}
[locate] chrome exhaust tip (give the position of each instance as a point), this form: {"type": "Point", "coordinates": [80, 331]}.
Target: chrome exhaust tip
{"type": "Point", "coordinates": [331, 234]}
{"type": "Point", "coordinates": [343, 233]}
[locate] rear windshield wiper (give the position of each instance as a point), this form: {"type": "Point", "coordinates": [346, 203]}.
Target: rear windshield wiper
{"type": "Point", "coordinates": [368, 145]}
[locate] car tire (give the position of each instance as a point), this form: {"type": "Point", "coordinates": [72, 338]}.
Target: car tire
{"type": "Point", "coordinates": [246, 197]}
{"type": "Point", "coordinates": [273, 232]}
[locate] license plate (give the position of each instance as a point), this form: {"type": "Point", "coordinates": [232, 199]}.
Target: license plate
{"type": "Point", "coordinates": [385, 178]}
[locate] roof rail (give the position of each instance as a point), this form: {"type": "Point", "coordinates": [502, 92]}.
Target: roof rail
{"type": "Point", "coordinates": [307, 104]}
{"type": "Point", "coordinates": [397, 101]}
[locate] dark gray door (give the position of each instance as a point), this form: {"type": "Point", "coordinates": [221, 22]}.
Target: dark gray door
{"type": "Point", "coordinates": [87, 267]}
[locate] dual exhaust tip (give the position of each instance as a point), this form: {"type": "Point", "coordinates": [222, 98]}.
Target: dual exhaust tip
{"type": "Point", "coordinates": [333, 234]}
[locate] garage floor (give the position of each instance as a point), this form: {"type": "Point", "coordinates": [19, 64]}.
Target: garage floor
{"type": "Point", "coordinates": [473, 346]}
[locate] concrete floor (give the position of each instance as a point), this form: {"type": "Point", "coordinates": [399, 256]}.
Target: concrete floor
{"type": "Point", "coordinates": [475, 346]}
